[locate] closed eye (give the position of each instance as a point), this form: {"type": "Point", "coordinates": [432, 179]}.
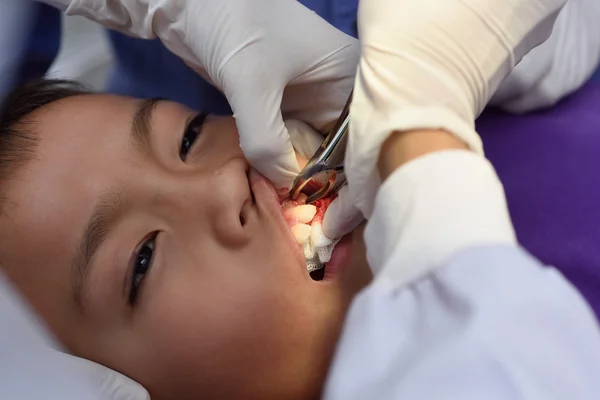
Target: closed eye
{"type": "Point", "coordinates": [192, 131]}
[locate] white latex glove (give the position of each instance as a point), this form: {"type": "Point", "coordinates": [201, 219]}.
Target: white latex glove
{"type": "Point", "coordinates": [432, 64]}
{"type": "Point", "coordinates": [305, 139]}
{"type": "Point", "coordinates": [252, 50]}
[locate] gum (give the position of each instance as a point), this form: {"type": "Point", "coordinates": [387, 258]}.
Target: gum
{"type": "Point", "coordinates": [322, 206]}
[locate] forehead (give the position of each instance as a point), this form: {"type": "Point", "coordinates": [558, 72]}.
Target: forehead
{"type": "Point", "coordinates": [78, 142]}
{"type": "Point", "coordinates": [84, 144]}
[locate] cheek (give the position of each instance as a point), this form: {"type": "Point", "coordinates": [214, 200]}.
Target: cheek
{"type": "Point", "coordinates": [213, 322]}
{"type": "Point", "coordinates": [222, 295]}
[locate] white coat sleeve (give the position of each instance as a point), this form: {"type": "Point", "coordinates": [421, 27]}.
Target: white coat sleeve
{"type": "Point", "coordinates": [457, 310]}
{"type": "Point", "coordinates": [559, 66]}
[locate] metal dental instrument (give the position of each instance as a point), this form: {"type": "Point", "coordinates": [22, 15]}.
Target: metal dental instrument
{"type": "Point", "coordinates": [324, 174]}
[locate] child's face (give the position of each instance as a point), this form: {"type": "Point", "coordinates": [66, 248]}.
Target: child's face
{"type": "Point", "coordinates": [180, 274]}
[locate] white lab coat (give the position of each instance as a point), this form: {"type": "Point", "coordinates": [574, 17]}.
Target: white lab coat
{"type": "Point", "coordinates": [457, 310]}
{"type": "Point", "coordinates": [481, 320]}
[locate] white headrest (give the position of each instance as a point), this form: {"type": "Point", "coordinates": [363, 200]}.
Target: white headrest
{"type": "Point", "coordinates": [113, 385]}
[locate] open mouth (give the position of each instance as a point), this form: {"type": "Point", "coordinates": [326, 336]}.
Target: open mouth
{"type": "Point", "coordinates": [304, 223]}
{"type": "Point", "coordinates": [319, 274]}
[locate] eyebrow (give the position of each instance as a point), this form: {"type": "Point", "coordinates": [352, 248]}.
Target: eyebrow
{"type": "Point", "coordinates": [106, 208]}
{"type": "Point", "coordinates": [140, 125]}
{"type": "Point", "coordinates": [98, 227]}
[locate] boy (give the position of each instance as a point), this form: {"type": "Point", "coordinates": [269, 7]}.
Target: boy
{"type": "Point", "coordinates": [141, 235]}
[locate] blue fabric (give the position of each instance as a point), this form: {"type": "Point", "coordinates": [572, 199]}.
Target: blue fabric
{"type": "Point", "coordinates": [596, 76]}
{"type": "Point", "coordinates": [147, 69]}
{"type": "Point", "coordinates": [43, 44]}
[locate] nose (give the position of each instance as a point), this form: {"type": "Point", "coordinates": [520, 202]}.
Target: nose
{"type": "Point", "coordinates": [212, 201]}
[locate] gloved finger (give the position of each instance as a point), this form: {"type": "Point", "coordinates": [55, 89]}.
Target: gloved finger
{"type": "Point", "coordinates": [342, 216]}
{"type": "Point", "coordinates": [305, 139]}
{"type": "Point", "coordinates": [264, 139]}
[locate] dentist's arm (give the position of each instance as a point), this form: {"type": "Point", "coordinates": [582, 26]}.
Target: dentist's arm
{"type": "Point", "coordinates": [251, 50]}
{"type": "Point", "coordinates": [430, 64]}
{"type": "Point", "coordinates": [457, 310]}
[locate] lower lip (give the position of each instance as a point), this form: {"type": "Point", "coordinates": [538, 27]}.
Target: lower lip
{"type": "Point", "coordinates": [340, 258]}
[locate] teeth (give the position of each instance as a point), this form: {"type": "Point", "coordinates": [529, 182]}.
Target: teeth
{"type": "Point", "coordinates": [301, 232]}
{"type": "Point", "coordinates": [303, 214]}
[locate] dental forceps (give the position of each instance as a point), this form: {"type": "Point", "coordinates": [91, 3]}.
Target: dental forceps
{"type": "Point", "coordinates": [324, 174]}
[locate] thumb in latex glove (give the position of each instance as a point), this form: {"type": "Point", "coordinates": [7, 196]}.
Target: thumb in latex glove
{"type": "Point", "coordinates": [271, 58]}
{"type": "Point", "coordinates": [290, 63]}
{"type": "Point", "coordinates": [432, 64]}
{"type": "Point", "coordinates": [305, 140]}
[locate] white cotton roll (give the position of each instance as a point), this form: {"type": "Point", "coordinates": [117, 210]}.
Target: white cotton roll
{"type": "Point", "coordinates": [321, 248]}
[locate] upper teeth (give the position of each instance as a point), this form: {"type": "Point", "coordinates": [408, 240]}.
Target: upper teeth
{"type": "Point", "coordinates": [308, 233]}
{"type": "Point", "coordinates": [302, 214]}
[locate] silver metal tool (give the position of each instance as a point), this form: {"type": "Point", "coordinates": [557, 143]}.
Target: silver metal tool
{"type": "Point", "coordinates": [324, 174]}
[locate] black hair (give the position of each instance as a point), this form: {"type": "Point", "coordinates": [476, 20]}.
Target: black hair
{"type": "Point", "coordinates": [17, 142]}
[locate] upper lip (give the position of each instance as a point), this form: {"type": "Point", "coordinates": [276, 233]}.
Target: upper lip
{"type": "Point", "coordinates": [274, 208]}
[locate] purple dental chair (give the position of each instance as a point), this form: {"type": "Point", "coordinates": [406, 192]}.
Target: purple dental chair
{"type": "Point", "coordinates": [549, 163]}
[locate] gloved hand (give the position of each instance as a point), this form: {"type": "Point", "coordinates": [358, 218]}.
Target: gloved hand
{"type": "Point", "coordinates": [252, 50]}
{"type": "Point", "coordinates": [431, 64]}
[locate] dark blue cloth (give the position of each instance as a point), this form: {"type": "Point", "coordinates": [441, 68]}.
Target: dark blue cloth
{"type": "Point", "coordinates": [43, 43]}
{"type": "Point", "coordinates": [596, 76]}
{"type": "Point", "coordinates": [147, 69]}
